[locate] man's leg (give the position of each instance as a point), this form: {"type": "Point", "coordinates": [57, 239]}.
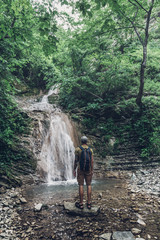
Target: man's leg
{"type": "Point", "coordinates": [89, 191]}
{"type": "Point", "coordinates": [81, 193]}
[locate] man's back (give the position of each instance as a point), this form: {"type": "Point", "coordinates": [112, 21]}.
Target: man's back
{"type": "Point", "coordinates": [84, 156]}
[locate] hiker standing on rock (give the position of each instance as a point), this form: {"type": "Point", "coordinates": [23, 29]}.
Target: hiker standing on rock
{"type": "Point", "coordinates": [84, 162]}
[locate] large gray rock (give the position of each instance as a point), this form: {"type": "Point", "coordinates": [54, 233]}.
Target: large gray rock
{"type": "Point", "coordinates": [72, 209]}
{"type": "Point", "coordinates": [123, 236]}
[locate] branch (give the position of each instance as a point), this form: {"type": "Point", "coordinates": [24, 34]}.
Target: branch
{"type": "Point", "coordinates": [135, 7]}
{"type": "Point", "coordinates": [135, 29]}
{"type": "Point", "coordinates": [133, 25]}
{"type": "Point", "coordinates": [93, 94]}
{"type": "Point", "coordinates": [116, 29]}
{"type": "Point", "coordinates": [148, 22]}
{"type": "Point", "coordinates": [141, 6]}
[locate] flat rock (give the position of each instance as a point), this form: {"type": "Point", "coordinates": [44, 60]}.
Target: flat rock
{"type": "Point", "coordinates": [123, 236]}
{"type": "Point", "coordinates": [73, 210]}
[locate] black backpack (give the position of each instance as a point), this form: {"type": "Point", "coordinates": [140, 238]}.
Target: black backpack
{"type": "Point", "coordinates": [85, 160]}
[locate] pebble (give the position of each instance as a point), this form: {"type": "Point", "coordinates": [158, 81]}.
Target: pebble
{"type": "Point", "coordinates": [136, 231]}
{"type": "Point", "coordinates": [146, 181]}
{"type": "Point", "coordinates": [8, 214]}
{"type": "Point", "coordinates": [23, 200]}
{"type": "Point", "coordinates": [105, 236]}
{"type": "Point", "coordinates": [141, 222]}
{"type": "Point", "coordinates": [38, 207]}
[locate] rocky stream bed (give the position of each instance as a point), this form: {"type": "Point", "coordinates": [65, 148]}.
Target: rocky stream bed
{"type": "Point", "coordinates": [131, 205]}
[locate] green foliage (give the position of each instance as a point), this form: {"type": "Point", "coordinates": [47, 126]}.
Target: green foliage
{"type": "Point", "coordinates": [13, 123]}
{"type": "Point", "coordinates": [147, 130]}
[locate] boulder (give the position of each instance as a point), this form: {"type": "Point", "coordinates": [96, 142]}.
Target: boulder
{"type": "Point", "coordinates": [73, 210]}
{"type": "Point", "coordinates": [123, 236]}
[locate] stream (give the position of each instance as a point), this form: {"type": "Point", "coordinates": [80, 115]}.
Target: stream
{"type": "Point", "coordinates": [65, 190]}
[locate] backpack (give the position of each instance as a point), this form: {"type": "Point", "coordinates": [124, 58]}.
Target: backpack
{"type": "Point", "coordinates": [85, 159]}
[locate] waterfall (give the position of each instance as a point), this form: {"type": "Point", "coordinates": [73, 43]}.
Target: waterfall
{"type": "Point", "coordinates": [57, 153]}
{"type": "Point", "coordinates": [53, 145]}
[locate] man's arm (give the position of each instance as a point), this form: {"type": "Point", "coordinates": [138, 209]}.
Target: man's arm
{"type": "Point", "coordinates": [92, 164]}
{"type": "Point", "coordinates": [75, 164]}
{"type": "Point", "coordinates": [92, 161]}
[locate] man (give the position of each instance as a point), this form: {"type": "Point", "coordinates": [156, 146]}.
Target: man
{"type": "Point", "coordinates": [84, 171]}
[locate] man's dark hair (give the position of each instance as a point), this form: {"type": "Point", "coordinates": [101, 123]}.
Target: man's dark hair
{"type": "Point", "coordinates": [84, 139]}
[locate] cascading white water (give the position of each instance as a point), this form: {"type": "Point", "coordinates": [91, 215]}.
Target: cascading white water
{"type": "Point", "coordinates": [57, 153]}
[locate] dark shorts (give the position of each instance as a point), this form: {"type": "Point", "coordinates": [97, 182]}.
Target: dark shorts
{"type": "Point", "coordinates": [81, 176]}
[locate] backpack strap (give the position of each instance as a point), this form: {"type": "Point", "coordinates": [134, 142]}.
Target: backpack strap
{"type": "Point", "coordinates": [81, 147]}
{"type": "Point", "coordinates": [90, 153]}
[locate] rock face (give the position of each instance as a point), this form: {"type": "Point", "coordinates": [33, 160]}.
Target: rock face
{"type": "Point", "coordinates": [73, 210]}
{"type": "Point", "coordinates": [125, 156]}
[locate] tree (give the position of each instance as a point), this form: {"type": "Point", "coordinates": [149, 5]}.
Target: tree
{"type": "Point", "coordinates": [99, 71]}
{"type": "Point", "coordinates": [129, 15]}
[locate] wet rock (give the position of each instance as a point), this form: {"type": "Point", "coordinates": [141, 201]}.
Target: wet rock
{"type": "Point", "coordinates": [38, 207]}
{"type": "Point", "coordinates": [73, 210]}
{"type": "Point", "coordinates": [123, 236]}
{"type": "Point", "coordinates": [105, 236]}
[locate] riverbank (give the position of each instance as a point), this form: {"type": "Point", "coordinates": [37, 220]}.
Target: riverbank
{"type": "Point", "coordinates": [122, 209]}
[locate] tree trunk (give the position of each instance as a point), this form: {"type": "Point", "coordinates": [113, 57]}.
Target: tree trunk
{"type": "Point", "coordinates": [142, 71]}
{"type": "Point", "coordinates": [143, 64]}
